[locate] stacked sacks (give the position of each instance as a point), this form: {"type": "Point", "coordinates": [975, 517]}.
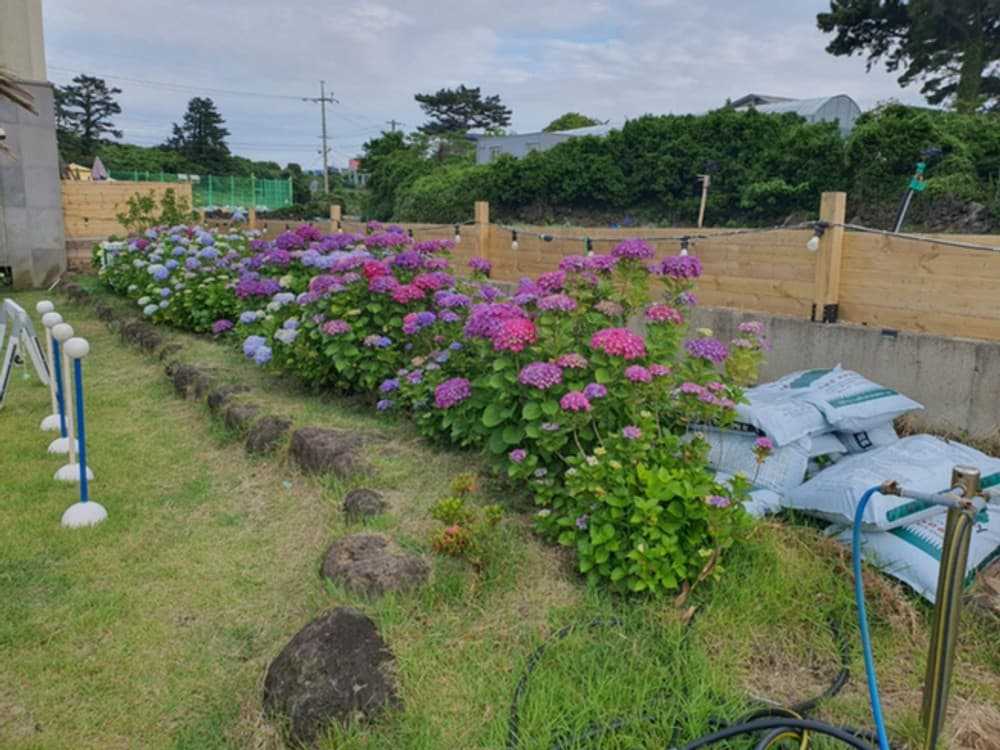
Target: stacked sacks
{"type": "Point", "coordinates": [904, 537]}
{"type": "Point", "coordinates": [811, 418]}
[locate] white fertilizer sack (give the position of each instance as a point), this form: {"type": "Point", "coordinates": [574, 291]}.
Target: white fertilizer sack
{"type": "Point", "coordinates": [866, 440]}
{"type": "Point", "coordinates": [918, 462]}
{"type": "Point", "coordinates": [852, 403]}
{"type": "Point", "coordinates": [784, 469]}
{"type": "Point", "coordinates": [776, 410]}
{"type": "Point", "coordinates": [912, 553]}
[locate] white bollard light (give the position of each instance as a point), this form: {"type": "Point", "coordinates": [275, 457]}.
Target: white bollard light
{"type": "Point", "coordinates": [66, 443]}
{"type": "Point", "coordinates": [50, 318]}
{"type": "Point", "coordinates": [86, 512]}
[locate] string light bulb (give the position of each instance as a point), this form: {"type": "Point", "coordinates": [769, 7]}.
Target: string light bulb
{"type": "Point", "coordinates": [513, 239]}
{"type": "Point", "coordinates": [458, 235]}
{"type": "Point", "coordinates": [340, 227]}
{"type": "Point", "coordinates": [684, 245]}
{"type": "Point", "coordinates": [813, 244]}
{"type": "Point", "coordinates": [409, 233]}
{"type": "Point", "coordinates": [588, 245]}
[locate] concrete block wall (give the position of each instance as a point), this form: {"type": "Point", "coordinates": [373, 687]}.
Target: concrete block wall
{"type": "Point", "coordinates": [957, 380]}
{"type": "Point", "coordinates": [32, 243]}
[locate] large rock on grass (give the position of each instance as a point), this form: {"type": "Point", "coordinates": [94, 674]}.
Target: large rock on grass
{"type": "Point", "coordinates": [336, 669]}
{"type": "Point", "coordinates": [372, 564]}
{"type": "Point", "coordinates": [363, 503]}
{"type": "Point", "coordinates": [266, 434]}
{"type": "Point", "coordinates": [320, 451]}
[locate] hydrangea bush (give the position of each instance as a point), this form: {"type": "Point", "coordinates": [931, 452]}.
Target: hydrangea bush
{"type": "Point", "coordinates": [583, 384]}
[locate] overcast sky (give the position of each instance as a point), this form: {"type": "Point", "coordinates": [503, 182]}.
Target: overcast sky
{"type": "Point", "coordinates": [609, 59]}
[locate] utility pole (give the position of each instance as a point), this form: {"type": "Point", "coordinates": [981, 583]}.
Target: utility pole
{"type": "Point", "coordinates": [394, 123]}
{"type": "Point", "coordinates": [323, 99]}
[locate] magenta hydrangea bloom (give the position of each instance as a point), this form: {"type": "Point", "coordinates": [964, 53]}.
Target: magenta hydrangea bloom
{"type": "Point", "coordinates": [663, 314]}
{"type": "Point", "coordinates": [552, 282]}
{"type": "Point", "coordinates": [635, 248]}
{"type": "Point", "coordinates": [638, 374]}
{"type": "Point", "coordinates": [221, 326]}
{"type": "Point", "coordinates": [631, 432]}
{"type": "Point", "coordinates": [718, 501]}
{"type": "Point", "coordinates": [541, 375]}
{"type": "Point", "coordinates": [755, 327]}
{"type": "Point", "coordinates": [619, 342]}
{"type": "Point", "coordinates": [610, 308]}
{"type": "Point", "coordinates": [517, 455]}
{"type": "Point", "coordinates": [710, 349]}
{"type": "Point", "coordinates": [407, 293]}
{"type": "Point", "coordinates": [451, 392]}
{"type": "Point", "coordinates": [659, 371]}
{"type": "Point", "coordinates": [334, 327]}
{"type": "Point", "coordinates": [514, 335]}
{"type": "Point", "coordinates": [574, 401]}
{"type": "Point", "coordinates": [572, 361]}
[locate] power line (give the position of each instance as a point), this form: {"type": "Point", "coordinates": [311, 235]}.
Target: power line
{"type": "Point", "coordinates": [179, 86]}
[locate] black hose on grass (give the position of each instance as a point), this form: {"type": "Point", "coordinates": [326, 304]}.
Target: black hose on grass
{"type": "Point", "coordinates": [779, 720]}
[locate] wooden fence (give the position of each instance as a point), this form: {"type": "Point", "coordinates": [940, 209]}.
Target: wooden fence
{"type": "Point", "coordinates": [878, 280]}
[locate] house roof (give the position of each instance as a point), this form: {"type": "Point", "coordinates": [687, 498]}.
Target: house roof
{"type": "Point", "coordinates": [754, 100]}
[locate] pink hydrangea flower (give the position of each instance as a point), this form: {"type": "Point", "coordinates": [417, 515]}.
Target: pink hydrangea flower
{"type": "Point", "coordinates": [619, 342]}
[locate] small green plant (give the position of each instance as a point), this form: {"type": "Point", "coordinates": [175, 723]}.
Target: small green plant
{"type": "Point", "coordinates": [468, 530]}
{"type": "Point", "coordinates": [142, 211]}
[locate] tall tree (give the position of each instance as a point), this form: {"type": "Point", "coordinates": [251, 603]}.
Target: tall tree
{"type": "Point", "coordinates": [570, 121]}
{"type": "Point", "coordinates": [84, 109]}
{"type": "Point", "coordinates": [462, 109]}
{"type": "Point", "coordinates": [201, 137]}
{"type": "Point", "coordinates": [952, 46]}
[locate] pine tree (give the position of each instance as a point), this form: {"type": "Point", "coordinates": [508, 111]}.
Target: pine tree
{"type": "Point", "coordinates": [201, 137]}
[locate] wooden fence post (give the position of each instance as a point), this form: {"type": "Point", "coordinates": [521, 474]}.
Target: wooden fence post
{"type": "Point", "coordinates": [826, 298]}
{"type": "Point", "coordinates": [335, 224]}
{"type": "Point", "coordinates": [483, 236]}
{"type": "Point", "coordinates": [252, 218]}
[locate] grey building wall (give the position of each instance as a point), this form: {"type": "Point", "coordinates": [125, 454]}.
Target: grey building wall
{"type": "Point", "coordinates": [32, 244]}
{"type": "Point", "coordinates": [957, 380]}
{"type": "Point", "coordinates": [516, 145]}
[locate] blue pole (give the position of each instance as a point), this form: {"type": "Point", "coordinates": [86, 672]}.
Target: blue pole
{"type": "Point", "coordinates": [59, 387]}
{"type": "Point", "coordinates": [78, 380]}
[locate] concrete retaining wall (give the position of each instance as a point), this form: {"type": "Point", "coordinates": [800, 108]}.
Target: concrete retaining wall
{"type": "Point", "coordinates": [957, 380]}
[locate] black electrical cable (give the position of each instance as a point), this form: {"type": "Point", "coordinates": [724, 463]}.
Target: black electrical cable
{"type": "Point", "coordinates": [752, 727]}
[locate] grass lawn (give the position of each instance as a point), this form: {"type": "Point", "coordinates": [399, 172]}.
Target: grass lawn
{"type": "Point", "coordinates": [155, 628]}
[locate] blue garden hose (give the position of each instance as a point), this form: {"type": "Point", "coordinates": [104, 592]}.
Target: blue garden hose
{"type": "Point", "coordinates": [866, 644]}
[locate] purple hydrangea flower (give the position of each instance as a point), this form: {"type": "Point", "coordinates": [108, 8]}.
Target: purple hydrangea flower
{"type": "Point", "coordinates": [595, 390]}
{"type": "Point", "coordinates": [480, 265]}
{"type": "Point", "coordinates": [572, 361]}
{"type": "Point", "coordinates": [633, 249]}
{"type": "Point", "coordinates": [252, 344]}
{"type": "Point", "coordinates": [561, 302]}
{"type": "Point", "coordinates": [680, 267]}
{"type": "Point", "coordinates": [631, 432]}
{"type": "Point", "coordinates": [263, 355]}
{"type": "Point", "coordinates": [334, 327]}
{"type": "Point", "coordinates": [541, 375]}
{"type": "Point", "coordinates": [517, 455]}
{"type": "Point", "coordinates": [581, 522]}
{"type": "Point", "coordinates": [718, 501]}
{"type": "Point", "coordinates": [388, 386]}
{"type": "Point", "coordinates": [710, 349]}
{"type": "Point", "coordinates": [221, 326]}
{"type": "Point", "coordinates": [451, 392]}
{"type": "Point", "coordinates": [549, 426]}
{"type": "Point", "coordinates": [383, 404]}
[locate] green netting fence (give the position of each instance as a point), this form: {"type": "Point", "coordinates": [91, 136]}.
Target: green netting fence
{"type": "Point", "coordinates": [214, 191]}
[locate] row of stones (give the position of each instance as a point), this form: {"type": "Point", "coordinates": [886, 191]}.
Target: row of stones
{"type": "Point", "coordinates": [338, 667]}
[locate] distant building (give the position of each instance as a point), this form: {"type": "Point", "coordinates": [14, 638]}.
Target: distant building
{"type": "Point", "coordinates": [490, 147]}
{"type": "Point", "coordinates": [841, 108]}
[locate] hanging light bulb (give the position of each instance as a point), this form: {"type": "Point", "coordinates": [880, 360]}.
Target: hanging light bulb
{"type": "Point", "coordinates": [813, 244]}
{"type": "Point", "coordinates": [588, 245]}
{"type": "Point", "coordinates": [340, 227]}
{"type": "Point", "coordinates": [513, 239]}
{"type": "Point", "coordinates": [458, 235]}
{"type": "Point", "coordinates": [684, 245]}
{"type": "Point", "coordinates": [409, 233]}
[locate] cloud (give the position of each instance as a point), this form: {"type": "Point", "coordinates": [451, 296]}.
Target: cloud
{"type": "Point", "coordinates": [610, 59]}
